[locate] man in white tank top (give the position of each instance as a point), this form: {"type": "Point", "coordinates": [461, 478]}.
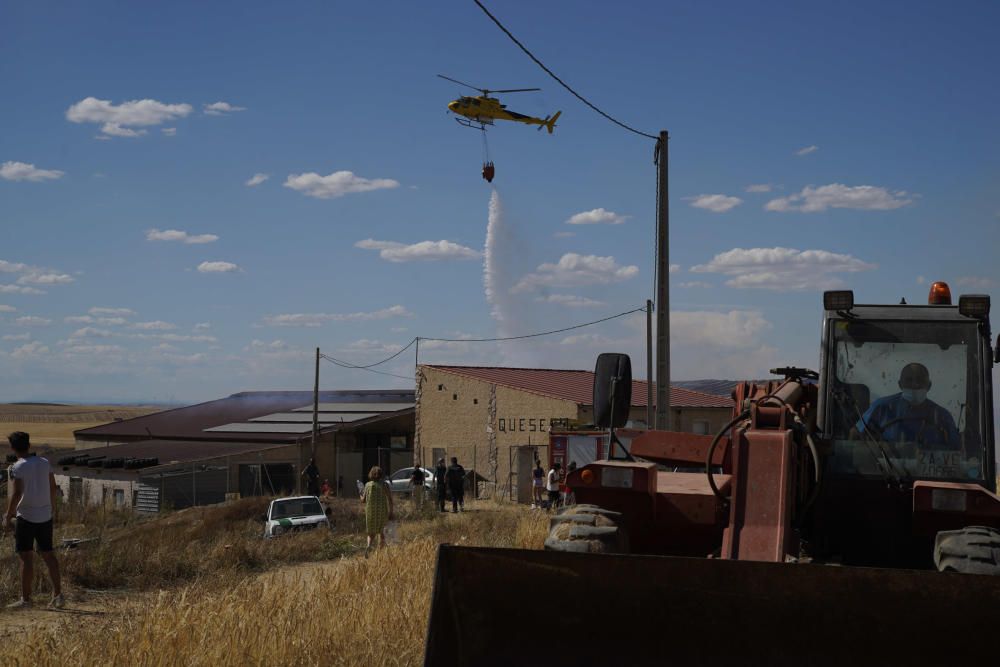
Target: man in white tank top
{"type": "Point", "coordinates": [32, 502]}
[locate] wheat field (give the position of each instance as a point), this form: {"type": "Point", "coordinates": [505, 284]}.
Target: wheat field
{"type": "Point", "coordinates": [246, 605]}
{"type": "Point", "coordinates": [53, 425]}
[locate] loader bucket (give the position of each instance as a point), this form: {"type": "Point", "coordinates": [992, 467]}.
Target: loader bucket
{"type": "Point", "coordinates": [516, 607]}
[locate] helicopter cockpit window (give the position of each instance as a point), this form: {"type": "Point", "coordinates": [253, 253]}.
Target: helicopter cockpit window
{"type": "Point", "coordinates": [904, 399]}
{"type": "Point", "coordinates": [475, 103]}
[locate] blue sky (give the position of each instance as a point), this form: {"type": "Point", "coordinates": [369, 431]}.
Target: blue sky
{"type": "Point", "coordinates": [138, 264]}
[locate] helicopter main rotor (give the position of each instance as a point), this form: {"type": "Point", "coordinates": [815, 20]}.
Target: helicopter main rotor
{"type": "Point", "coordinates": [486, 92]}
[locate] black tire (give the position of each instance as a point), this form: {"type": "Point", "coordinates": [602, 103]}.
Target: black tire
{"type": "Point", "coordinates": [587, 529]}
{"type": "Point", "coordinates": [972, 550]}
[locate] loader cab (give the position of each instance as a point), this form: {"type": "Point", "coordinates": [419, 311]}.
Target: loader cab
{"type": "Point", "coordinates": [907, 390]}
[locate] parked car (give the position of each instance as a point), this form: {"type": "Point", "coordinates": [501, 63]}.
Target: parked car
{"type": "Point", "coordinates": [285, 515]}
{"type": "Point", "coordinates": [399, 481]}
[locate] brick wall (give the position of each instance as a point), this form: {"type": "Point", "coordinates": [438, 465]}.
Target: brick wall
{"type": "Point", "coordinates": [465, 417]}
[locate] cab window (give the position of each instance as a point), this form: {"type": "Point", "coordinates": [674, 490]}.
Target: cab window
{"type": "Point", "coordinates": [904, 399]}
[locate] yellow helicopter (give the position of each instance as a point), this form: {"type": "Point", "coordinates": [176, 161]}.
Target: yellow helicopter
{"type": "Point", "coordinates": [480, 111]}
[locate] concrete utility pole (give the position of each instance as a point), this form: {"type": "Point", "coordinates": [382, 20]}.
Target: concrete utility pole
{"type": "Point", "coordinates": [662, 286]}
{"type": "Point", "coordinates": [315, 432]}
{"type": "Point", "coordinates": [649, 363]}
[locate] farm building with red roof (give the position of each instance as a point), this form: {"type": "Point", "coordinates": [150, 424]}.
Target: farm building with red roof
{"type": "Point", "coordinates": [480, 413]}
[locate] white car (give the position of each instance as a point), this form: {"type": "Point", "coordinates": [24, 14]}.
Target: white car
{"type": "Point", "coordinates": [285, 515]}
{"type": "Point", "coordinates": [399, 482]}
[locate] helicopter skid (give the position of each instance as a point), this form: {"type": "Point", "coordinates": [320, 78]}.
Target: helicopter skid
{"type": "Point", "coordinates": [477, 124]}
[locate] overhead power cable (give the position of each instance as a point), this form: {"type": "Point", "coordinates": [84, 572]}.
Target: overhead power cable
{"type": "Point", "coordinates": [535, 335]}
{"type": "Point", "coordinates": [561, 82]}
{"type": "Point", "coordinates": [344, 364]}
{"type": "Point", "coordinates": [377, 363]}
{"type": "Point", "coordinates": [369, 367]}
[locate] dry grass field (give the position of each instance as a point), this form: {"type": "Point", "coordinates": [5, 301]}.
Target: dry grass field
{"type": "Point", "coordinates": [53, 425]}
{"type": "Point", "coordinates": [201, 587]}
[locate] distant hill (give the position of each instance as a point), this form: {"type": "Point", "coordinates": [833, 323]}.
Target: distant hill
{"type": "Point", "coordinates": [714, 387]}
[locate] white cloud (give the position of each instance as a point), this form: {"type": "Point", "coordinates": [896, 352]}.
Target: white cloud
{"type": "Point", "coordinates": [835, 195]}
{"type": "Point", "coordinates": [563, 235]}
{"type": "Point", "coordinates": [597, 216]}
{"type": "Point", "coordinates": [22, 171]}
{"type": "Point", "coordinates": [259, 346]}
{"type": "Point", "coordinates": [31, 275]}
{"type": "Point", "coordinates": [155, 325]}
{"type": "Point", "coordinates": [675, 268]}
{"type": "Point", "coordinates": [221, 109]}
{"type": "Point", "coordinates": [178, 235]}
{"type": "Point", "coordinates": [317, 319]}
{"type": "Point", "coordinates": [45, 279]}
{"type": "Point", "coordinates": [782, 269]}
{"type": "Point", "coordinates": [217, 267]}
{"type": "Point", "coordinates": [111, 311]}
{"type": "Point", "coordinates": [116, 130]}
{"type": "Point", "coordinates": [88, 319]}
{"type": "Point", "coordinates": [369, 345]}
{"type": "Point", "coordinates": [590, 339]}
{"type": "Point", "coordinates": [569, 300]}
{"type": "Point", "coordinates": [573, 270]}
{"type": "Point", "coordinates": [24, 336]}
{"type": "Point", "coordinates": [18, 289]}
{"type": "Point", "coordinates": [94, 350]}
{"type": "Point", "coordinates": [733, 329]}
{"type": "Point", "coordinates": [91, 332]}
{"type": "Point", "coordinates": [759, 187]}
{"type": "Point", "coordinates": [715, 203]}
{"type": "Point", "coordinates": [337, 184]}
{"type": "Point", "coordinates": [117, 120]}
{"type": "Point", "coordinates": [7, 309]}
{"type": "Point", "coordinates": [975, 282]}
{"type": "Point", "coordinates": [256, 179]}
{"type": "Point", "coordinates": [807, 150]}
{"type": "Point", "coordinates": [32, 321]}
{"type": "Point", "coordinates": [169, 131]}
{"type": "Point", "coordinates": [29, 350]}
{"type": "Point", "coordinates": [691, 284]}
{"type": "Point", "coordinates": [176, 338]}
{"type": "Point", "coordinates": [429, 251]}
{"type": "Point", "coordinates": [202, 326]}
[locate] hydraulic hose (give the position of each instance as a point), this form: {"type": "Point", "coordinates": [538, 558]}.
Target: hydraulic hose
{"type": "Point", "coordinates": [711, 450]}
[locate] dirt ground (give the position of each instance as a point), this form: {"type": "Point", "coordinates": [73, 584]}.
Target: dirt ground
{"type": "Point", "coordinates": [80, 606]}
{"type": "Point", "coordinates": [53, 425]}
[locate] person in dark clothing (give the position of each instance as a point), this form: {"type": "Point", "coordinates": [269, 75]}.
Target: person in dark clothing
{"type": "Point", "coordinates": [311, 473]}
{"type": "Point", "coordinates": [417, 486]}
{"type": "Point", "coordinates": [456, 484]}
{"type": "Point", "coordinates": [440, 472]}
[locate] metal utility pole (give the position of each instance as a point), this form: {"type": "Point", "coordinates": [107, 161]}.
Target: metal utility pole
{"type": "Point", "coordinates": [662, 286]}
{"type": "Point", "coordinates": [315, 432]}
{"type": "Point", "coordinates": [649, 363]}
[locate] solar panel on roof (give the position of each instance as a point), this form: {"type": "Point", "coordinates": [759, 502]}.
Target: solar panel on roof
{"type": "Point", "coordinates": [356, 407]}
{"type": "Point", "coordinates": [323, 418]}
{"type": "Point", "coordinates": [301, 426]}
{"type": "Point", "coordinates": [248, 427]}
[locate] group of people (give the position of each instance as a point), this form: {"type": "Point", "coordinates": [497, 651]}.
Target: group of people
{"type": "Point", "coordinates": [376, 496]}
{"type": "Point", "coordinates": [553, 482]}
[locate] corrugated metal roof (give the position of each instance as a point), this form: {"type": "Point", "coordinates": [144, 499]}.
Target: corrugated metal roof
{"type": "Point", "coordinates": [577, 386]}
{"type": "Point", "coordinates": [169, 452]}
{"type": "Point", "coordinates": [189, 423]}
